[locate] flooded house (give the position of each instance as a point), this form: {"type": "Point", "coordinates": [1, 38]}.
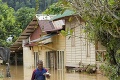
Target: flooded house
{"type": "Point", "coordinates": [46, 43]}
{"type": "Point", "coordinates": [42, 39]}
{"type": "Point", "coordinates": [78, 47]}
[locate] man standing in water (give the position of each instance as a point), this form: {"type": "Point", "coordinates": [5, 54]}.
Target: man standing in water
{"type": "Point", "coordinates": [40, 73]}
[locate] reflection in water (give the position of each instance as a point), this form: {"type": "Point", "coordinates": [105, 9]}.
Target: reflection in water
{"type": "Point", "coordinates": [57, 74]}
{"type": "Point", "coordinates": [61, 75]}
{"type": "Point", "coordinates": [16, 72]}
{"type": "Point", "coordinates": [20, 73]}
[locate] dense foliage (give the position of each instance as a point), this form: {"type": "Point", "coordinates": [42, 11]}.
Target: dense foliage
{"type": "Point", "coordinates": [7, 21]}
{"type": "Point", "coordinates": [54, 9]}
{"type": "Point", "coordinates": [103, 24]}
{"type": "Point", "coordinates": [15, 16]}
{"type": "Point", "coordinates": [16, 4]}
{"type": "Point", "coordinates": [24, 16]}
{"type": "Point", "coordinates": [12, 22]}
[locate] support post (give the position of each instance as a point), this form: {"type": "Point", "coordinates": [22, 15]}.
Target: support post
{"type": "Point", "coordinates": [8, 70]}
{"type": "Point", "coordinates": [16, 59]}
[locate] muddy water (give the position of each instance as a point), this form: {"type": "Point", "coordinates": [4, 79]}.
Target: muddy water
{"type": "Point", "coordinates": [20, 73]}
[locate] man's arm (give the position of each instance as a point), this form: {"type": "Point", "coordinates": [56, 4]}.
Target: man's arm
{"type": "Point", "coordinates": [47, 76]}
{"type": "Point", "coordinates": [33, 75]}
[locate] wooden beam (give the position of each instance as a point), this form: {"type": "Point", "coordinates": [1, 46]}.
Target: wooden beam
{"type": "Point", "coordinates": [34, 19]}
{"type": "Point", "coordinates": [50, 48]}
{"type": "Point", "coordinates": [31, 29]}
{"type": "Point", "coordinates": [25, 35]}
{"type": "Point", "coordinates": [19, 41]}
{"type": "Point", "coordinates": [29, 32]}
{"type": "Point", "coordinates": [33, 24]}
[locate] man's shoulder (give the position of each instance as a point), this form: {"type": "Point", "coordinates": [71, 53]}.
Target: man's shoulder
{"type": "Point", "coordinates": [45, 69]}
{"type": "Point", "coordinates": [34, 70]}
{"type": "Point", "coordinates": [38, 69]}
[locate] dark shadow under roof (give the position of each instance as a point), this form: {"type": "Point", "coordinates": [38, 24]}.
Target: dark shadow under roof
{"type": "Point", "coordinates": [24, 35]}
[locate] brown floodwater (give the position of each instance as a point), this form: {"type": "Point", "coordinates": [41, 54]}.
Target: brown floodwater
{"type": "Point", "coordinates": [20, 73]}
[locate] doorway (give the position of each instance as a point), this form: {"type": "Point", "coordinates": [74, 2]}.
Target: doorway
{"type": "Point", "coordinates": [55, 59]}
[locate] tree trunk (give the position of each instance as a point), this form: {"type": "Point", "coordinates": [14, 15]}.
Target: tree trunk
{"type": "Point", "coordinates": [112, 57]}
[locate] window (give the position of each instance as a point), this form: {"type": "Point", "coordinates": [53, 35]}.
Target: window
{"type": "Point", "coordinates": [55, 59]}
{"type": "Point", "coordinates": [73, 38]}
{"type": "Point", "coordinates": [36, 58]}
{"type": "Point", "coordinates": [88, 48]}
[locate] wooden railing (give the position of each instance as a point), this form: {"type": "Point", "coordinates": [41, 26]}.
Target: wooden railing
{"type": "Point", "coordinates": [100, 55]}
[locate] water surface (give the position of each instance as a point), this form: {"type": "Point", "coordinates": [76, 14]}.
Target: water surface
{"type": "Point", "coordinates": [20, 73]}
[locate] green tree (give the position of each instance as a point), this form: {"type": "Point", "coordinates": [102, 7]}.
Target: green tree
{"type": "Point", "coordinates": [103, 24]}
{"type": "Point", "coordinates": [13, 23]}
{"type": "Point", "coordinates": [23, 16]}
{"type": "Point", "coordinates": [7, 20]}
{"type": "Point", "coordinates": [54, 9]}
{"type": "Point", "coordinates": [16, 4]}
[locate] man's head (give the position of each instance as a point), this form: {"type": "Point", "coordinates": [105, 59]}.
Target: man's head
{"type": "Point", "coordinates": [40, 64]}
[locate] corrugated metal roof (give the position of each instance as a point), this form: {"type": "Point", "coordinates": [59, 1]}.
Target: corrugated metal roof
{"type": "Point", "coordinates": [58, 24]}
{"type": "Point", "coordinates": [65, 14]}
{"type": "Point", "coordinates": [44, 22]}
{"type": "Point", "coordinates": [29, 30]}
{"type": "Point", "coordinates": [45, 25]}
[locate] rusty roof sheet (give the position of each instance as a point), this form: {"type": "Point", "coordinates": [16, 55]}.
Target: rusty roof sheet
{"type": "Point", "coordinates": [45, 24]}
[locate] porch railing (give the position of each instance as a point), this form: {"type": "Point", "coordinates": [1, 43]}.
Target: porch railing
{"type": "Point", "coordinates": [100, 55]}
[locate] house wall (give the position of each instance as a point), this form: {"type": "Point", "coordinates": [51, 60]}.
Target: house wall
{"type": "Point", "coordinates": [59, 42]}
{"type": "Point", "coordinates": [78, 48]}
{"type": "Point", "coordinates": [59, 45]}
{"type": "Point", "coordinates": [42, 53]}
{"type": "Point", "coordinates": [28, 57]}
{"type": "Point", "coordinates": [36, 34]}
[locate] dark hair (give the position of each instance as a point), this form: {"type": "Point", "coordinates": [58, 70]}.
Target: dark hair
{"type": "Point", "coordinates": [39, 62]}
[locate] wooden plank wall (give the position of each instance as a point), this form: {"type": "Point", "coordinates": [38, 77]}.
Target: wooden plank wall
{"type": "Point", "coordinates": [83, 50]}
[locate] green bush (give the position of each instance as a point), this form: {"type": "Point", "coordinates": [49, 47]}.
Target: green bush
{"type": "Point", "coordinates": [91, 69]}
{"type": "Point", "coordinates": [109, 71]}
